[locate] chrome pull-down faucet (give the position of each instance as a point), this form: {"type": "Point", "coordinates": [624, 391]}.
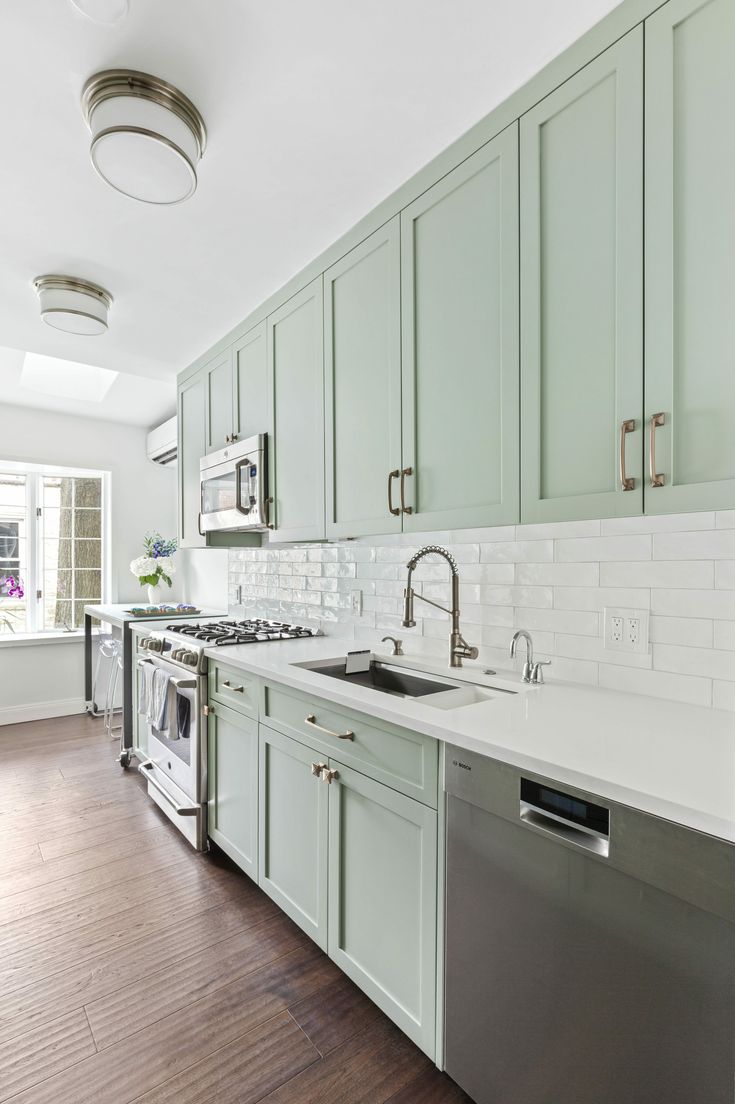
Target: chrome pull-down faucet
{"type": "Point", "coordinates": [459, 649]}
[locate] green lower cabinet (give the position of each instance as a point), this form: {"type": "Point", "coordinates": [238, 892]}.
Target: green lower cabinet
{"type": "Point", "coordinates": [232, 807]}
{"type": "Point", "coordinates": [294, 809]}
{"type": "Point", "coordinates": [382, 898]}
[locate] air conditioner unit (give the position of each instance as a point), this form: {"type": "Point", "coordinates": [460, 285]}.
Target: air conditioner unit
{"type": "Point", "coordinates": [162, 443]}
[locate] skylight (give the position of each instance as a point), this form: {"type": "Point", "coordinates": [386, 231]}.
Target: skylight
{"type": "Point", "coordinates": [65, 378]}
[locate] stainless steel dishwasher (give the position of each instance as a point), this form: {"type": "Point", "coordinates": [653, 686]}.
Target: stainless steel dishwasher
{"type": "Point", "coordinates": [590, 948]}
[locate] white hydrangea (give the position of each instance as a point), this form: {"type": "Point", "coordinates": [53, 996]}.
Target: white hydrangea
{"type": "Point", "coordinates": [143, 565]}
{"type": "Point", "coordinates": [166, 564]}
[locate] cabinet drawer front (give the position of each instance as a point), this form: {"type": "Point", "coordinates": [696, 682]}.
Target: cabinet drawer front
{"type": "Point", "coordinates": [404, 760]}
{"type": "Point", "coordinates": [231, 687]}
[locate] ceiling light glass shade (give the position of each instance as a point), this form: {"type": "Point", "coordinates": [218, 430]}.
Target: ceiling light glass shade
{"type": "Point", "coordinates": [102, 11]}
{"type": "Point", "coordinates": [73, 305]}
{"type": "Point", "coordinates": [147, 137]}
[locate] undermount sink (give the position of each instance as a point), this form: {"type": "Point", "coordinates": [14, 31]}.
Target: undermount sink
{"type": "Point", "coordinates": [403, 682]}
{"type": "Point", "coordinates": [386, 678]}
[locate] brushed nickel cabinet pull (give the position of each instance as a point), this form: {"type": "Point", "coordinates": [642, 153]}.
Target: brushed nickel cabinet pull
{"type": "Point", "coordinates": [208, 710]}
{"type": "Point", "coordinates": [395, 510]}
{"type": "Point", "coordinates": [311, 720]}
{"type": "Point", "coordinates": [627, 483]}
{"type": "Point", "coordinates": [329, 776]}
{"type": "Point", "coordinates": [267, 511]}
{"type": "Point", "coordinates": [406, 509]}
{"type": "Point", "coordinates": [235, 689]}
{"type": "Point", "coordinates": [656, 479]}
{"type": "Point", "coordinates": [317, 768]}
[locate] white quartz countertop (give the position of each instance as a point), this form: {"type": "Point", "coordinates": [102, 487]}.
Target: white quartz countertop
{"type": "Point", "coordinates": [673, 760]}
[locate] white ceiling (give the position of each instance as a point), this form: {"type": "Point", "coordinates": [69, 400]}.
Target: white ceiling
{"type": "Point", "coordinates": [315, 110]}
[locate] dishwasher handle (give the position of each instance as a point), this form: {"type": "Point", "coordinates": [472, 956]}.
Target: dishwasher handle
{"type": "Point", "coordinates": [553, 825]}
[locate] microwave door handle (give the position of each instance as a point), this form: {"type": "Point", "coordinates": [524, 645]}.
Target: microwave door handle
{"type": "Point", "coordinates": [238, 498]}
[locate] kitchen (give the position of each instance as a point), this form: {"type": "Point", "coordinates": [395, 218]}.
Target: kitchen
{"type": "Point", "coordinates": [367, 529]}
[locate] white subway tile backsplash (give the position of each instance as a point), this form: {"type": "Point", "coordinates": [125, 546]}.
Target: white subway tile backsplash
{"type": "Point", "coordinates": [658, 573]}
{"type": "Point", "coordinates": [553, 579]}
{"type": "Point", "coordinates": [711, 544]}
{"type": "Point", "coordinates": [597, 549]}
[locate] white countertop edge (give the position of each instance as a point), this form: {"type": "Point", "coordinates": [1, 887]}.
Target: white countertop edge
{"type": "Point", "coordinates": [275, 662]}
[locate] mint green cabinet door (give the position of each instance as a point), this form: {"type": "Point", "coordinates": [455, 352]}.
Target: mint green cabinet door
{"type": "Point", "coordinates": [296, 394]}
{"type": "Point", "coordinates": [232, 782]}
{"type": "Point", "coordinates": [362, 364]}
{"type": "Point", "coordinates": [581, 292]}
{"type": "Point", "coordinates": [690, 255]}
{"type": "Point", "coordinates": [459, 272]}
{"type": "Point", "coordinates": [250, 384]}
{"type": "Point", "coordinates": [219, 401]}
{"type": "Point", "coordinates": [293, 827]}
{"type": "Point", "coordinates": [382, 899]}
{"type": "Point", "coordinates": [191, 448]}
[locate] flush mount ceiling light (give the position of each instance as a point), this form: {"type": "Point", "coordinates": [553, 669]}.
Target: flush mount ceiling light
{"type": "Point", "coordinates": [102, 11]}
{"type": "Point", "coordinates": [73, 305]}
{"type": "Point", "coordinates": [147, 137]}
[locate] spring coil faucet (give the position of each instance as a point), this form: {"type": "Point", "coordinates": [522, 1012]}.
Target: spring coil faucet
{"type": "Point", "coordinates": [459, 649]}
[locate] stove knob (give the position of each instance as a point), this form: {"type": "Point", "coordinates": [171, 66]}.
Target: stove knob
{"type": "Point", "coordinates": [191, 658]}
{"type": "Point", "coordinates": [155, 645]}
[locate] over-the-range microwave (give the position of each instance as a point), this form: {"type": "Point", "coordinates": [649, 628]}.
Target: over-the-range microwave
{"type": "Point", "coordinates": [233, 487]}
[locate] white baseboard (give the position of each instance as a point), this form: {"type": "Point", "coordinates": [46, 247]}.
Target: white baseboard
{"type": "Point", "coordinates": [41, 711]}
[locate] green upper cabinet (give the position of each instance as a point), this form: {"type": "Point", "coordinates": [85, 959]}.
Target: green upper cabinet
{"type": "Point", "coordinates": [232, 785]}
{"type": "Point", "coordinates": [296, 416]}
{"type": "Point", "coordinates": [362, 364]}
{"type": "Point", "coordinates": [250, 384]}
{"type": "Point", "coordinates": [581, 191]}
{"type": "Point", "coordinates": [690, 247]}
{"type": "Point", "coordinates": [191, 448]}
{"type": "Point", "coordinates": [293, 831]}
{"type": "Point", "coordinates": [382, 898]}
{"type": "Point", "coordinates": [459, 272]}
{"type": "Point", "coordinates": [218, 385]}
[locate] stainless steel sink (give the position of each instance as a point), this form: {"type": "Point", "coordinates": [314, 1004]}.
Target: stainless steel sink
{"type": "Point", "coordinates": [386, 678]}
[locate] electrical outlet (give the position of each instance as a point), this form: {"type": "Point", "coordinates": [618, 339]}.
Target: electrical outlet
{"type": "Point", "coordinates": [626, 630]}
{"type": "Point", "coordinates": [356, 597]}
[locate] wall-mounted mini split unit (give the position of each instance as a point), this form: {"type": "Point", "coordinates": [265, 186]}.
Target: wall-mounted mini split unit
{"type": "Point", "coordinates": [162, 443]}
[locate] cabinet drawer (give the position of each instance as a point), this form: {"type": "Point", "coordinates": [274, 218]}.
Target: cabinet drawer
{"type": "Point", "coordinates": [231, 687]}
{"type": "Point", "coordinates": [404, 760]}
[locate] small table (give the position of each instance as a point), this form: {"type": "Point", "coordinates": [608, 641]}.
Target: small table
{"type": "Point", "coordinates": [119, 616]}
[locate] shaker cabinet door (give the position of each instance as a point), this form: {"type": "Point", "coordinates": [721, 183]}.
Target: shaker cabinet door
{"type": "Point", "coordinates": [581, 158]}
{"type": "Point", "coordinates": [191, 448]}
{"type": "Point", "coordinates": [296, 392]}
{"type": "Point", "coordinates": [382, 898]}
{"type": "Point", "coordinates": [459, 272]}
{"type": "Point", "coordinates": [232, 783]}
{"type": "Point", "coordinates": [293, 826]}
{"type": "Point", "coordinates": [690, 252]}
{"type": "Point", "coordinates": [218, 377]}
{"type": "Point", "coordinates": [362, 364]}
{"type": "Point", "coordinates": [250, 384]}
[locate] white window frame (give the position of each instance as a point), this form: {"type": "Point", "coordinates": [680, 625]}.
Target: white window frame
{"type": "Point", "coordinates": [32, 580]}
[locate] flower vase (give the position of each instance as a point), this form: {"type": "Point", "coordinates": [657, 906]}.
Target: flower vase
{"type": "Point", "coordinates": [155, 595]}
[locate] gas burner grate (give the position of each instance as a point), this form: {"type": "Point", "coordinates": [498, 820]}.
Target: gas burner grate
{"type": "Point", "coordinates": [251, 631]}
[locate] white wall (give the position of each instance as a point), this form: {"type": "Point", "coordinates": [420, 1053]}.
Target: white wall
{"type": "Point", "coordinates": [553, 580]}
{"type": "Point", "coordinates": [47, 680]}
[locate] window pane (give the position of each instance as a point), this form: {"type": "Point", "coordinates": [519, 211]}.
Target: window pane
{"type": "Point", "coordinates": [72, 549]}
{"type": "Point", "coordinates": [13, 546]}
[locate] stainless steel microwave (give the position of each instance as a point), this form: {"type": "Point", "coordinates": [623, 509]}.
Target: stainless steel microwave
{"type": "Point", "coordinates": [233, 487]}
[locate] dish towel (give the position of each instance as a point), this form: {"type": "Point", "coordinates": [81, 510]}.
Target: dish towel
{"type": "Point", "coordinates": [144, 689]}
{"type": "Point", "coordinates": [157, 714]}
{"type": "Point", "coordinates": [183, 716]}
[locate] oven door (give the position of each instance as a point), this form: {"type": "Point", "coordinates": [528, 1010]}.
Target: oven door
{"type": "Point", "coordinates": [231, 489]}
{"type": "Point", "coordinates": [176, 769]}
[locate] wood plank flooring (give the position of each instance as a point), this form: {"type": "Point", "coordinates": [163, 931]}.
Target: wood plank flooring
{"type": "Point", "coordinates": [135, 971]}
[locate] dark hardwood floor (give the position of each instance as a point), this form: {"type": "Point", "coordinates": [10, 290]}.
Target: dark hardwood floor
{"type": "Point", "coordinates": [134, 970]}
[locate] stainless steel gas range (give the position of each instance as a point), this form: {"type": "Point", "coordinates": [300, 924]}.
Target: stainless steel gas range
{"type": "Point", "coordinates": [172, 695]}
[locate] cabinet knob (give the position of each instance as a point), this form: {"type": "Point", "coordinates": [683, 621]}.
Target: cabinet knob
{"type": "Point", "coordinates": [329, 776]}
{"type": "Point", "coordinates": [317, 768]}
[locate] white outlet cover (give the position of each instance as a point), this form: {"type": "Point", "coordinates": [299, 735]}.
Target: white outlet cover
{"type": "Point", "coordinates": [640, 647]}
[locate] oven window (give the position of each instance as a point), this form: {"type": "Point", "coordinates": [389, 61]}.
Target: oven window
{"type": "Point", "coordinates": [219, 493]}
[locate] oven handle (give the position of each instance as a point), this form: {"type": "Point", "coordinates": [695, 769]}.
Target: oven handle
{"type": "Point", "coordinates": [180, 684]}
{"type": "Point", "coordinates": [183, 810]}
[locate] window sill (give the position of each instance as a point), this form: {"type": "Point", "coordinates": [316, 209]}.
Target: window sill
{"type": "Point", "coordinates": [23, 640]}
